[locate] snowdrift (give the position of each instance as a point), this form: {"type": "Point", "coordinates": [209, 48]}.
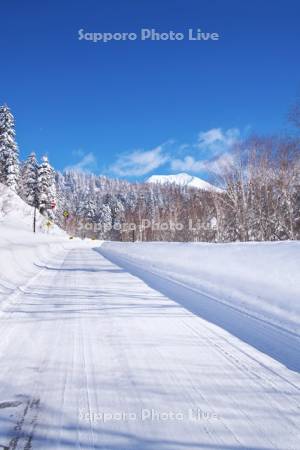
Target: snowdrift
{"type": "Point", "coordinates": [261, 279]}
{"type": "Point", "coordinates": [22, 253]}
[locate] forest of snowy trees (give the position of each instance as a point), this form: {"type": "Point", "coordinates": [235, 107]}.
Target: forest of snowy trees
{"type": "Point", "coordinates": [260, 197]}
{"type": "Point", "coordinates": [34, 182]}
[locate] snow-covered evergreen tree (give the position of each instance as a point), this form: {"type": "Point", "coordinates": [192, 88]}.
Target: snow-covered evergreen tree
{"type": "Point", "coordinates": [28, 181]}
{"type": "Point", "coordinates": [87, 208]}
{"type": "Point", "coordinates": [105, 218]}
{"type": "Point", "coordinates": [117, 210]}
{"type": "Point", "coordinates": [9, 155]}
{"type": "Point", "coordinates": [46, 188]}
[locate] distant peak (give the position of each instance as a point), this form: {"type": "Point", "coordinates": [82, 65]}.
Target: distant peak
{"type": "Point", "coordinates": [183, 179]}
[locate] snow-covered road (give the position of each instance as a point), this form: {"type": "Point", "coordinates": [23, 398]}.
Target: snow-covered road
{"type": "Point", "coordinates": [91, 357]}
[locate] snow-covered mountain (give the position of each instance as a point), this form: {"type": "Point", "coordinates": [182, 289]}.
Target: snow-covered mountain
{"type": "Point", "coordinates": [183, 179]}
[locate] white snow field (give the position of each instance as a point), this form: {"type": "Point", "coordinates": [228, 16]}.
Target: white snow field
{"type": "Point", "coordinates": [183, 179]}
{"type": "Point", "coordinates": [99, 355]}
{"type": "Point", "coordinates": [260, 278]}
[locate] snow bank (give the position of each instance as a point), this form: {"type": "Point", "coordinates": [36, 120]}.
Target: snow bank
{"type": "Point", "coordinates": [21, 251]}
{"type": "Point", "coordinates": [261, 279]}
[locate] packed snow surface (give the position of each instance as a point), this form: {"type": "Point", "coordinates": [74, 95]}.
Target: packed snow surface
{"type": "Point", "coordinates": [251, 290]}
{"type": "Point", "coordinates": [183, 179]}
{"type": "Point", "coordinates": [93, 357]}
{"type": "Point", "coordinates": [140, 347]}
{"type": "Point", "coordinates": [262, 278]}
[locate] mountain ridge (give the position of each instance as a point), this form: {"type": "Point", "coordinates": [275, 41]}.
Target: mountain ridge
{"type": "Point", "coordinates": [183, 179]}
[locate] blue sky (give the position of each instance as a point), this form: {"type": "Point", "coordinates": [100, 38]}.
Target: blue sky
{"type": "Point", "coordinates": [134, 108]}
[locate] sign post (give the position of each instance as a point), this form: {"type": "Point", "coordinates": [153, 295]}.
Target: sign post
{"type": "Point", "coordinates": [66, 216]}
{"type": "Point", "coordinates": [50, 205]}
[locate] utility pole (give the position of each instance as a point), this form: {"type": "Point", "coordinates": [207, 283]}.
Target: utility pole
{"type": "Point", "coordinates": [141, 203]}
{"type": "Point", "coordinates": [36, 205]}
{"type": "Point", "coordinates": [34, 218]}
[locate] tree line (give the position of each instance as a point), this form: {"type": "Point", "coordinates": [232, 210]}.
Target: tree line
{"type": "Point", "coordinates": [259, 200]}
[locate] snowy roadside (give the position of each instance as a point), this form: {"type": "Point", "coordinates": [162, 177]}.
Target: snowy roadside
{"type": "Point", "coordinates": [23, 256]}
{"type": "Point", "coordinates": [23, 253]}
{"type": "Point", "coordinates": [261, 279]}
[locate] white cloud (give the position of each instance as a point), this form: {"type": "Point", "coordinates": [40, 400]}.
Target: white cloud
{"type": "Point", "coordinates": [139, 162]}
{"type": "Point", "coordinates": [220, 164]}
{"type": "Point", "coordinates": [216, 140]}
{"type": "Point", "coordinates": [187, 164]}
{"type": "Point", "coordinates": [216, 149]}
{"type": "Point", "coordinates": [216, 165]}
{"type": "Point", "coordinates": [87, 163]}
